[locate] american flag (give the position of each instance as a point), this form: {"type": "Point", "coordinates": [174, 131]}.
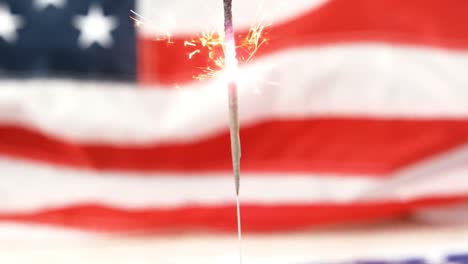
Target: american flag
{"type": "Point", "coordinates": [363, 114]}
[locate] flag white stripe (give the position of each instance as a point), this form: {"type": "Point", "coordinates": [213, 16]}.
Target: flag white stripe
{"type": "Point", "coordinates": [346, 80]}
{"type": "Point", "coordinates": [179, 17]}
{"type": "Point", "coordinates": [19, 233]}
{"type": "Point", "coordinates": [27, 186]}
{"type": "Point", "coordinates": [429, 243]}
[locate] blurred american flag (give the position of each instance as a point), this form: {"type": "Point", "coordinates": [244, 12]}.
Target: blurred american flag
{"type": "Point", "coordinates": [103, 128]}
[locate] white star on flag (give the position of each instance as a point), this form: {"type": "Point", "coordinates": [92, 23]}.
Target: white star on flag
{"type": "Point", "coordinates": [41, 4]}
{"type": "Point", "coordinates": [9, 24]}
{"type": "Point", "coordinates": [95, 28]}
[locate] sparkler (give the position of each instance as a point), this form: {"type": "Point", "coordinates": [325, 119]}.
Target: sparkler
{"type": "Point", "coordinates": [228, 64]}
{"type": "Point", "coordinates": [213, 42]}
{"type": "Point", "coordinates": [230, 68]}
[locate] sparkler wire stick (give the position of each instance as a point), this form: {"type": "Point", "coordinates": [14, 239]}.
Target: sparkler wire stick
{"type": "Point", "coordinates": [231, 64]}
{"type": "Point", "coordinates": [230, 67]}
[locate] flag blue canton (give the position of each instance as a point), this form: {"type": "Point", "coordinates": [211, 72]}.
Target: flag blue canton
{"type": "Point", "coordinates": [67, 38]}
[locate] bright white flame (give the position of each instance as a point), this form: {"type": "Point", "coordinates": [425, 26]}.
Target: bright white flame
{"type": "Point", "coordinates": [230, 68]}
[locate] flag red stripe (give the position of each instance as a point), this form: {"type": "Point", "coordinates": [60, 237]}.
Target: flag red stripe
{"type": "Point", "coordinates": [434, 23]}
{"type": "Point", "coordinates": [255, 218]}
{"type": "Point", "coordinates": [332, 145]}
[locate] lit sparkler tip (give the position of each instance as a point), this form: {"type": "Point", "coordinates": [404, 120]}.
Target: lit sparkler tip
{"type": "Point", "coordinates": [222, 52]}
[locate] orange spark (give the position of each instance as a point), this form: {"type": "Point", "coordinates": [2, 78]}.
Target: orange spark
{"type": "Point", "coordinates": [188, 43]}
{"type": "Point", "coordinates": [193, 53]}
{"type": "Point", "coordinates": [137, 19]}
{"type": "Point", "coordinates": [167, 37]}
{"type": "Point", "coordinates": [253, 41]}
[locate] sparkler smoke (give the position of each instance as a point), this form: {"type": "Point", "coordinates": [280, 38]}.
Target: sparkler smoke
{"type": "Point", "coordinates": [230, 68]}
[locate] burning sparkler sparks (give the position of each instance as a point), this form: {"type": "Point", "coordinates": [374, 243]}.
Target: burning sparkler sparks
{"type": "Point", "coordinates": [139, 20]}
{"type": "Point", "coordinates": [215, 45]}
